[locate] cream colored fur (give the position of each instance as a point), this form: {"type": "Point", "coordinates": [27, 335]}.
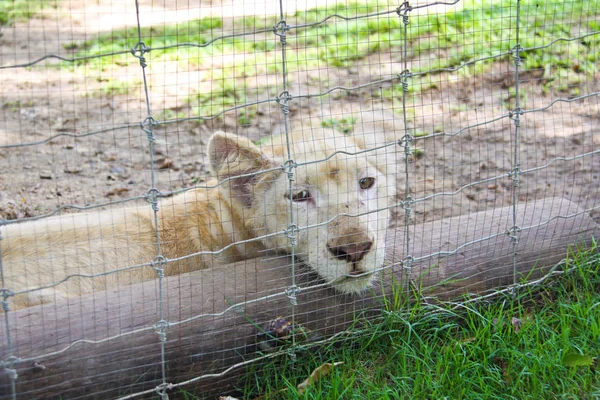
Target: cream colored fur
{"type": "Point", "coordinates": [41, 253]}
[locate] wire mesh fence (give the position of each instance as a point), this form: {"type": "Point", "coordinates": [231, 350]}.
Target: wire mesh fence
{"type": "Point", "coordinates": [475, 121]}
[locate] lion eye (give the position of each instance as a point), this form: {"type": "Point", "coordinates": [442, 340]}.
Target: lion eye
{"type": "Point", "coordinates": [366, 183]}
{"type": "Point", "coordinates": [303, 195]}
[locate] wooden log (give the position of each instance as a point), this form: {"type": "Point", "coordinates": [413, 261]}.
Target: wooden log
{"type": "Point", "coordinates": [220, 336]}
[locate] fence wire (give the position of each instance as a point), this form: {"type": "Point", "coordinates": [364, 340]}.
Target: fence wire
{"type": "Point", "coordinates": [285, 98]}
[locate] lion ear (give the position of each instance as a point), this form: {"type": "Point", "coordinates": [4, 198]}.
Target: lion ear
{"type": "Point", "coordinates": [385, 159]}
{"type": "Point", "coordinates": [231, 156]}
{"type": "Point", "coordinates": [389, 160]}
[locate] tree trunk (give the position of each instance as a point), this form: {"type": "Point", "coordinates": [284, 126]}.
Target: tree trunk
{"type": "Point", "coordinates": [217, 339]}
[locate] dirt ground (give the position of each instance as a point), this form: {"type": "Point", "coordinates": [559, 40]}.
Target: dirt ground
{"type": "Point", "coordinates": [40, 102]}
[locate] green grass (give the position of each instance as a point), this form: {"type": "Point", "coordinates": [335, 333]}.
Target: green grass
{"type": "Point", "coordinates": [481, 30]}
{"type": "Point", "coordinates": [343, 125]}
{"type": "Point", "coordinates": [541, 344]}
{"type": "Point", "coordinates": [199, 32]}
{"type": "Point", "coordinates": [440, 40]}
{"type": "Point", "coordinates": [17, 105]}
{"type": "Point", "coordinates": [13, 11]}
{"type": "Point", "coordinates": [115, 87]}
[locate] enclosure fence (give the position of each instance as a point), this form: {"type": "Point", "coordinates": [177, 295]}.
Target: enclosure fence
{"type": "Point", "coordinates": [406, 204]}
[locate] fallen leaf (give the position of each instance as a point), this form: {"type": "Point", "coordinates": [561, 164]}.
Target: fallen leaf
{"type": "Point", "coordinates": [578, 360]}
{"type": "Point", "coordinates": [66, 125]}
{"type": "Point", "coordinates": [109, 158]}
{"type": "Point", "coordinates": [116, 191]}
{"type": "Point", "coordinates": [465, 341]}
{"type": "Point", "coordinates": [503, 365]}
{"type": "Point", "coordinates": [38, 366]}
{"type": "Point", "coordinates": [167, 163]}
{"type": "Point", "coordinates": [516, 323]}
{"type": "Point", "coordinates": [317, 374]}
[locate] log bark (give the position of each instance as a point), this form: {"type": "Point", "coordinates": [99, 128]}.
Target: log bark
{"type": "Point", "coordinates": [222, 336]}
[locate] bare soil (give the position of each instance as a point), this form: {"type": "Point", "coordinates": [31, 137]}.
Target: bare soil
{"type": "Point", "coordinates": [37, 103]}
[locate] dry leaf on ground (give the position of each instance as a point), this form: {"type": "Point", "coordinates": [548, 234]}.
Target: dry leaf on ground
{"type": "Point", "coordinates": [516, 323]}
{"type": "Point", "coordinates": [317, 374]}
{"type": "Point", "coordinates": [116, 192]}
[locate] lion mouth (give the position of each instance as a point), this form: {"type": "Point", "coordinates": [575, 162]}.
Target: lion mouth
{"type": "Point", "coordinates": [355, 270]}
{"type": "Point", "coordinates": [356, 273]}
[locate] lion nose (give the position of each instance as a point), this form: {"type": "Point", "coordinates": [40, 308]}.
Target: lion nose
{"type": "Point", "coordinates": [352, 252]}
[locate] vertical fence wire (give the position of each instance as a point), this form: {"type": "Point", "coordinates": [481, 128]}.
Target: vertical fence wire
{"type": "Point", "coordinates": [159, 262]}
{"type": "Point", "coordinates": [406, 142]}
{"type": "Point", "coordinates": [513, 231]}
{"type": "Point", "coordinates": [281, 30]}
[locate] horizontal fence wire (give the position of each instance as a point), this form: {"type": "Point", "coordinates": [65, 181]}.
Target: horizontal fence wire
{"type": "Point", "coordinates": [147, 126]}
{"type": "Point", "coordinates": [401, 204]}
{"type": "Point", "coordinates": [221, 182]}
{"type": "Point", "coordinates": [445, 307]}
{"type": "Point", "coordinates": [240, 307]}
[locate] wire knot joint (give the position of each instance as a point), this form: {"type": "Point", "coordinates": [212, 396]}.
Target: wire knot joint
{"type": "Point", "coordinates": [407, 263]}
{"type": "Point", "coordinates": [406, 142]}
{"type": "Point", "coordinates": [6, 293]}
{"type": "Point", "coordinates": [292, 293]}
{"type": "Point", "coordinates": [512, 233]}
{"type": "Point", "coordinates": [152, 198]}
{"type": "Point", "coordinates": [161, 329]}
{"type": "Point", "coordinates": [9, 367]}
{"type": "Point", "coordinates": [407, 204]}
{"type": "Point", "coordinates": [289, 167]}
{"type": "Point", "coordinates": [161, 390]}
{"type": "Point", "coordinates": [403, 10]}
{"type": "Point", "coordinates": [515, 52]}
{"type": "Point", "coordinates": [147, 125]}
{"type": "Point", "coordinates": [138, 52]}
{"type": "Point", "coordinates": [283, 100]}
{"type": "Point", "coordinates": [515, 115]}
{"type": "Point", "coordinates": [514, 174]}
{"type": "Point", "coordinates": [404, 76]}
{"type": "Point", "coordinates": [281, 29]}
{"type": "Point", "coordinates": [291, 232]}
{"type": "Point", "coordinates": [158, 264]}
